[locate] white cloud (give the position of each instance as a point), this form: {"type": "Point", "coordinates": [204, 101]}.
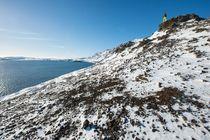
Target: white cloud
{"type": "Point", "coordinates": [34, 38]}
{"type": "Point", "coordinates": [24, 35]}
{"type": "Point", "coordinates": [17, 32]}
{"type": "Point", "coordinates": [59, 46]}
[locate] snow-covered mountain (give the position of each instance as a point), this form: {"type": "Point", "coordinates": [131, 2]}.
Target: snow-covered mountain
{"type": "Point", "coordinates": [38, 59]}
{"type": "Point", "coordinates": [98, 57]}
{"type": "Point", "coordinates": [151, 88]}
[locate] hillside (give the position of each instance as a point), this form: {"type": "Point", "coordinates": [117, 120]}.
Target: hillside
{"type": "Point", "coordinates": [151, 88]}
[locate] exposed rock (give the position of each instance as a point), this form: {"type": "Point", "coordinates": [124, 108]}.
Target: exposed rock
{"type": "Point", "coordinates": [174, 22]}
{"type": "Point", "coordinates": [122, 47]}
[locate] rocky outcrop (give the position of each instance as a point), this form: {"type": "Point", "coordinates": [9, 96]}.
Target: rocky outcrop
{"type": "Point", "coordinates": [177, 21]}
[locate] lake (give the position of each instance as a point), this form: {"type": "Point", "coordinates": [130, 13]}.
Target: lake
{"type": "Point", "coordinates": [19, 74]}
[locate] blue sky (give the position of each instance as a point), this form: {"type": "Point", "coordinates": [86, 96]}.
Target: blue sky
{"type": "Point", "coordinates": [78, 28]}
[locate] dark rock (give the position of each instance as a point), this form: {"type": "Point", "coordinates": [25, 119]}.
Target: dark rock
{"type": "Point", "coordinates": [64, 130]}
{"type": "Point", "coordinates": [198, 30]}
{"type": "Point", "coordinates": [160, 84]}
{"type": "Point", "coordinates": [155, 130]}
{"type": "Point", "coordinates": [141, 78]}
{"type": "Point", "coordinates": [80, 133]}
{"type": "Point", "coordinates": [194, 40]}
{"type": "Point", "coordinates": [174, 22]}
{"type": "Point", "coordinates": [86, 124]}
{"type": "Point", "coordinates": [122, 47]}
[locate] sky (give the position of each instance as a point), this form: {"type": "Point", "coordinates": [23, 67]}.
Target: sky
{"type": "Point", "coordinates": [81, 28]}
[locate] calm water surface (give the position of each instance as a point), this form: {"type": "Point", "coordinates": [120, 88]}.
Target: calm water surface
{"type": "Point", "coordinates": [16, 75]}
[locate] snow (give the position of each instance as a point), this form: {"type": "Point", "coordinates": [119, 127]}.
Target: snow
{"type": "Point", "coordinates": [122, 94]}
{"type": "Point", "coordinates": [157, 34]}
{"type": "Point", "coordinates": [40, 132]}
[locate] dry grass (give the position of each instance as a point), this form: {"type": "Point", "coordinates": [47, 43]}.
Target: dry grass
{"type": "Point", "coordinates": [141, 78]}
{"type": "Point", "coordinates": [198, 30]}
{"type": "Point", "coordinates": [122, 47]}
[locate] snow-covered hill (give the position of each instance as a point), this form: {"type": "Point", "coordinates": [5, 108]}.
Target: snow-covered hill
{"type": "Point", "coordinates": [36, 59]}
{"type": "Point", "coordinates": [152, 88]}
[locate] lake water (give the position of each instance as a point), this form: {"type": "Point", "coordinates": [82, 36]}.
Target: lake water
{"type": "Point", "coordinates": [16, 75]}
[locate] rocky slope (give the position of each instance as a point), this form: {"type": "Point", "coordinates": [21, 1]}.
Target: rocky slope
{"type": "Point", "coordinates": [152, 88]}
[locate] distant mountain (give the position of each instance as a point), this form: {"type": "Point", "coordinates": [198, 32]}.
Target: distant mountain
{"type": "Point", "coordinates": [152, 88]}
{"type": "Point", "coordinates": [31, 58]}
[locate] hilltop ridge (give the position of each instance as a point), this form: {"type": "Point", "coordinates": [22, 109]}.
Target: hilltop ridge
{"type": "Point", "coordinates": [178, 21]}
